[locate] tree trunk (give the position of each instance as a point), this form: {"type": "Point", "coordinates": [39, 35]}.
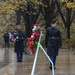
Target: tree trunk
{"type": "Point", "coordinates": [68, 32]}
{"type": "Point", "coordinates": [48, 24]}
{"type": "Point", "coordinates": [28, 25]}
{"type": "Point", "coordinates": [49, 12]}
{"type": "Point", "coordinates": [18, 14]}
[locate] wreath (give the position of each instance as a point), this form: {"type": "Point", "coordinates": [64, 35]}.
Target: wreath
{"type": "Point", "coordinates": [13, 36]}
{"type": "Point", "coordinates": [33, 39]}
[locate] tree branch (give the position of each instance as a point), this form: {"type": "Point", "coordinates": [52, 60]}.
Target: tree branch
{"type": "Point", "coordinates": [62, 16]}
{"type": "Point", "coordinates": [73, 17]}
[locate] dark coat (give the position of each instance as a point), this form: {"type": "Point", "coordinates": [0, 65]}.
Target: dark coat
{"type": "Point", "coordinates": [19, 43]}
{"type": "Point", "coordinates": [6, 37]}
{"type": "Point", "coordinates": [53, 41]}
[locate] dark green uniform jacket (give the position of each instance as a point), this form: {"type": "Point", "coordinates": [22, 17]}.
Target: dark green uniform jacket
{"type": "Point", "coordinates": [53, 41]}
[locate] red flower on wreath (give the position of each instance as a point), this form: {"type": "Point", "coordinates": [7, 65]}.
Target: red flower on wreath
{"type": "Point", "coordinates": [33, 38]}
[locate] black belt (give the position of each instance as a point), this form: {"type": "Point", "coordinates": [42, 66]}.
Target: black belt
{"type": "Point", "coordinates": [54, 37]}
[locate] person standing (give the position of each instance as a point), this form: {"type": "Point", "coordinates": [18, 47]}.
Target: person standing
{"type": "Point", "coordinates": [53, 41]}
{"type": "Point", "coordinates": [6, 39]}
{"type": "Point", "coordinates": [19, 43]}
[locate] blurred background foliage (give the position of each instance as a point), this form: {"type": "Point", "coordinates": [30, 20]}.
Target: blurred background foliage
{"type": "Point", "coordinates": [29, 12]}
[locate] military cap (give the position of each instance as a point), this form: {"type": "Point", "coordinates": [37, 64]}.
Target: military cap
{"type": "Point", "coordinates": [53, 21]}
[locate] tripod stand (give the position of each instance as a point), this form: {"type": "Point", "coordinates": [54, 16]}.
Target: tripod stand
{"type": "Point", "coordinates": [35, 59]}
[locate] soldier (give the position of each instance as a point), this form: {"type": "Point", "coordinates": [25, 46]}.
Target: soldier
{"type": "Point", "coordinates": [19, 44]}
{"type": "Point", "coordinates": [53, 41]}
{"type": "Point", "coordinates": [6, 39]}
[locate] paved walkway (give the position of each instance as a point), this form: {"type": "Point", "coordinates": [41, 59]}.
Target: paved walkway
{"type": "Point", "coordinates": [65, 64]}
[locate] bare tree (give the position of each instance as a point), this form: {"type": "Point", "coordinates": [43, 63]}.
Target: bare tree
{"type": "Point", "coordinates": [49, 11]}
{"type": "Point", "coordinates": [67, 15]}
{"type": "Point", "coordinates": [30, 15]}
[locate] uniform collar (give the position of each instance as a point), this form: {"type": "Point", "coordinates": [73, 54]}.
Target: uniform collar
{"type": "Point", "coordinates": [53, 27]}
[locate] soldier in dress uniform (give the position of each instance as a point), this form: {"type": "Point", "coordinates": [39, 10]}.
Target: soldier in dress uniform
{"type": "Point", "coordinates": [53, 41]}
{"type": "Point", "coordinates": [19, 44]}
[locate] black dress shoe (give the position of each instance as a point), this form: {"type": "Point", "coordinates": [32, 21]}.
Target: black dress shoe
{"type": "Point", "coordinates": [19, 60]}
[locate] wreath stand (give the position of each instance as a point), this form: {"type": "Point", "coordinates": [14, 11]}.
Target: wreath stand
{"type": "Point", "coordinates": [35, 59]}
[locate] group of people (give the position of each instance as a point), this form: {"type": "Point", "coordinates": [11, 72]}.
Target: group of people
{"type": "Point", "coordinates": [19, 43]}
{"type": "Point", "coordinates": [53, 41]}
